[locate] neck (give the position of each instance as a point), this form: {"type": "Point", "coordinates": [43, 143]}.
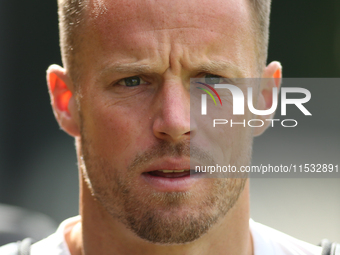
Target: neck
{"type": "Point", "coordinates": [100, 233]}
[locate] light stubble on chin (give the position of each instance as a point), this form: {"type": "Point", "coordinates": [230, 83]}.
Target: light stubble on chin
{"type": "Point", "coordinates": [158, 217]}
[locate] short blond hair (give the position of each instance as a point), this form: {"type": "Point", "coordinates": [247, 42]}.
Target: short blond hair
{"type": "Point", "coordinates": [261, 14]}
{"type": "Point", "coordinates": [71, 14]}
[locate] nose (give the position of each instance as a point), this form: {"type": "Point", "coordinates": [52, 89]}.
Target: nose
{"type": "Point", "coordinates": [172, 122]}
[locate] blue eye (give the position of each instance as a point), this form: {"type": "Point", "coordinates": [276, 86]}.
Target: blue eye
{"type": "Point", "coordinates": [131, 81]}
{"type": "Point", "coordinates": [212, 79]}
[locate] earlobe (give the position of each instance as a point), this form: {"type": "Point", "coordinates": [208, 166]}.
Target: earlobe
{"type": "Point", "coordinates": [271, 78]}
{"type": "Point", "coordinates": [62, 100]}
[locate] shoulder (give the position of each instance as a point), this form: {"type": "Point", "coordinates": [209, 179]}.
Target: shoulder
{"type": "Point", "coordinates": [270, 241]}
{"type": "Point", "coordinates": [55, 244]}
{"type": "Point", "coordinates": [18, 248]}
{"type": "Point", "coordinates": [9, 249]}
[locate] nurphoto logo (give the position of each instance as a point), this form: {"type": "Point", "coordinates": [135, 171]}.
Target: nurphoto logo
{"type": "Point", "coordinates": [238, 99]}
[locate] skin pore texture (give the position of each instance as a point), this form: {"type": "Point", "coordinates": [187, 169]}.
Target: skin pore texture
{"type": "Point", "coordinates": [123, 132]}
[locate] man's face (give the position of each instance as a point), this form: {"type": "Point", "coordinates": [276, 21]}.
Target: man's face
{"type": "Point", "coordinates": [133, 127]}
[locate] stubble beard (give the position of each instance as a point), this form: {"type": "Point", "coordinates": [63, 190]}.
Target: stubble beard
{"type": "Point", "coordinates": [158, 217]}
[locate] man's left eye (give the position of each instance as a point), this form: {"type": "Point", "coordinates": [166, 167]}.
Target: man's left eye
{"type": "Point", "coordinates": [212, 79]}
{"type": "Point", "coordinates": [131, 81]}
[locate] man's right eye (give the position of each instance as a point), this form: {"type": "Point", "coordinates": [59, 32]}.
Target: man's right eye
{"type": "Point", "coordinates": [131, 81]}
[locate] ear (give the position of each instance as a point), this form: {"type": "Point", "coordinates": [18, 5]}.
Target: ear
{"type": "Point", "coordinates": [271, 77]}
{"type": "Point", "coordinates": [62, 100]}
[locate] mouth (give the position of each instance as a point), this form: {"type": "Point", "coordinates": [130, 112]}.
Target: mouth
{"type": "Point", "coordinates": [170, 173]}
{"type": "Point", "coordinates": [168, 180]}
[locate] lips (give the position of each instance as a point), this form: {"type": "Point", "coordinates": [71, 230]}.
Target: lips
{"type": "Point", "coordinates": [168, 165]}
{"type": "Point", "coordinates": [170, 173]}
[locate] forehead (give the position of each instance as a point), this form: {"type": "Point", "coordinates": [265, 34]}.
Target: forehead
{"type": "Point", "coordinates": [160, 13]}
{"type": "Point", "coordinates": [151, 27]}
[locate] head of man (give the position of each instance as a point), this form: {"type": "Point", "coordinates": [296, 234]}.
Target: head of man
{"type": "Point", "coordinates": [124, 96]}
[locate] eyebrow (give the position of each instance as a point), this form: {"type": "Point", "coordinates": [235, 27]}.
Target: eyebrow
{"type": "Point", "coordinates": [134, 67]}
{"type": "Point", "coordinates": [218, 66]}
{"type": "Point", "coordinates": [213, 66]}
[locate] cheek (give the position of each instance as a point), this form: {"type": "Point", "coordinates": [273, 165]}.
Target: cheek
{"type": "Point", "coordinates": [229, 143]}
{"type": "Point", "coordinates": [113, 132]}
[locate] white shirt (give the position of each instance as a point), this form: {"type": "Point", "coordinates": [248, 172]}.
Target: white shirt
{"type": "Point", "coordinates": [56, 244]}
{"type": "Point", "coordinates": [270, 241]}
{"type": "Point", "coordinates": [267, 241]}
